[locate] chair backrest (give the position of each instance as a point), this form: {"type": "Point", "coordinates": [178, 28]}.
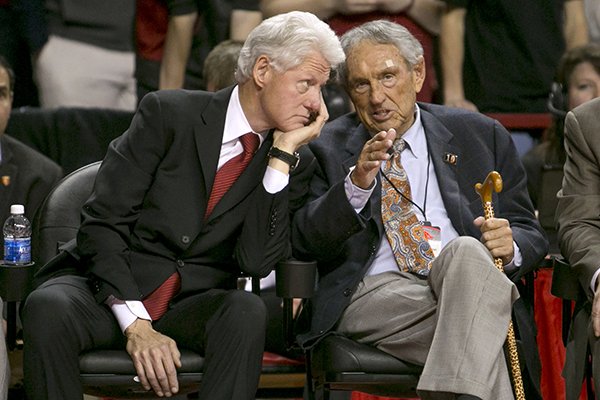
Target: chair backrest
{"type": "Point", "coordinates": [59, 217]}
{"type": "Point", "coordinates": [551, 182]}
{"type": "Point", "coordinates": [71, 136]}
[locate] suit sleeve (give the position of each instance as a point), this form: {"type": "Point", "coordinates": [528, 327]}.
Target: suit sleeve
{"type": "Point", "coordinates": [265, 238]}
{"type": "Point", "coordinates": [108, 217]}
{"type": "Point", "coordinates": [321, 229]}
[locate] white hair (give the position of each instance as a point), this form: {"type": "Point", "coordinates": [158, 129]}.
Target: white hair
{"type": "Point", "coordinates": [287, 39]}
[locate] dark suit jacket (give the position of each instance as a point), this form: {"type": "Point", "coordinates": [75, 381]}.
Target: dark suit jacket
{"type": "Point", "coordinates": [26, 177]}
{"type": "Point", "coordinates": [145, 217]}
{"type": "Point", "coordinates": [344, 243]}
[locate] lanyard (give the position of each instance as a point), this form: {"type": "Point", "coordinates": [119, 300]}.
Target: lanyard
{"type": "Point", "coordinates": [422, 210]}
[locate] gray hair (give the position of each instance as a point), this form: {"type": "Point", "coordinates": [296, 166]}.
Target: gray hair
{"type": "Point", "coordinates": [381, 32]}
{"type": "Point", "coordinates": [287, 39]}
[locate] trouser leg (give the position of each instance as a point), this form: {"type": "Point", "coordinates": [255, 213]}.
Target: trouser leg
{"type": "Point", "coordinates": [228, 327]}
{"type": "Point", "coordinates": [474, 309]}
{"type": "Point", "coordinates": [454, 324]}
{"type": "Point", "coordinates": [61, 319]}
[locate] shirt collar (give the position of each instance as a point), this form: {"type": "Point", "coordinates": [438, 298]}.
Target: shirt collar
{"type": "Point", "coordinates": [236, 123]}
{"type": "Point", "coordinates": [415, 136]}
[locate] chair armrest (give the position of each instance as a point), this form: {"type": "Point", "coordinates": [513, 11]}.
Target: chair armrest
{"type": "Point", "coordinates": [294, 280]}
{"type": "Point", "coordinates": [564, 282]}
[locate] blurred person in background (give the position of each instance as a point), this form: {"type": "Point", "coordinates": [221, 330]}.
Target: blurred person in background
{"type": "Point", "coordinates": [88, 60]}
{"type": "Point", "coordinates": [173, 38]}
{"type": "Point", "coordinates": [500, 56]}
{"type": "Point", "coordinates": [26, 176]}
{"type": "Point", "coordinates": [220, 65]}
{"type": "Point", "coordinates": [577, 81]}
{"type": "Point", "coordinates": [23, 33]}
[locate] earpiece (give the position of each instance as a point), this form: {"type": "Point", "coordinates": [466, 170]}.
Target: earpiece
{"type": "Point", "coordinates": [557, 100]}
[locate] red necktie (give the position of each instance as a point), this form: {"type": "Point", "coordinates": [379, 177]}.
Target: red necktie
{"type": "Point", "coordinates": [231, 170]}
{"type": "Point", "coordinates": [157, 302]}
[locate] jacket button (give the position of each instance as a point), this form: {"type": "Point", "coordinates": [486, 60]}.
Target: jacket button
{"type": "Point", "coordinates": [347, 292]}
{"type": "Point", "coordinates": [180, 263]}
{"type": "Point", "coordinates": [185, 239]}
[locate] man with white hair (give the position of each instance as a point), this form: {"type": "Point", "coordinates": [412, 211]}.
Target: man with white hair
{"type": "Point", "coordinates": [193, 193]}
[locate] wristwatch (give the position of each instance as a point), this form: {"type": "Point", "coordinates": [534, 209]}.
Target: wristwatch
{"type": "Point", "coordinates": [292, 159]}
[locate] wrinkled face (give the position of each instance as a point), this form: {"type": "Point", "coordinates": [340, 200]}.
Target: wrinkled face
{"type": "Point", "coordinates": [584, 84]}
{"type": "Point", "coordinates": [290, 98]}
{"type": "Point", "coordinates": [5, 99]}
{"type": "Point", "coordinates": [382, 86]}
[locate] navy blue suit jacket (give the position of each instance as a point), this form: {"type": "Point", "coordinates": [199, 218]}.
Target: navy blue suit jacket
{"type": "Point", "coordinates": [328, 229]}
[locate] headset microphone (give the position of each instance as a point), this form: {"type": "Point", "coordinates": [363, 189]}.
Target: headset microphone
{"type": "Point", "coordinates": [557, 100]}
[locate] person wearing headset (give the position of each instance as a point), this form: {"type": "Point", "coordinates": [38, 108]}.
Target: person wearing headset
{"type": "Point", "coordinates": [577, 81]}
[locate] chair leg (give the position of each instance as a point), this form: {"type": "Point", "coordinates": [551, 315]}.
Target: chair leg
{"type": "Point", "coordinates": [588, 377]}
{"type": "Point", "coordinates": [566, 319]}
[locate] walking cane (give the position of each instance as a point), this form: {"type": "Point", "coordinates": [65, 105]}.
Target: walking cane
{"type": "Point", "coordinates": [494, 181]}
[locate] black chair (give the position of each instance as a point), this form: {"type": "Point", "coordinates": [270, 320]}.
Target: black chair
{"type": "Point", "coordinates": [337, 363]}
{"type": "Point", "coordinates": [111, 372]}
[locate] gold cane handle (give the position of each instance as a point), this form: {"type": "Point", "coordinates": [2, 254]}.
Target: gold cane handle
{"type": "Point", "coordinates": [493, 182]}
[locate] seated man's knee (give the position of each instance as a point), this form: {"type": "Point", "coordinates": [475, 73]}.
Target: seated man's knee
{"type": "Point", "coordinates": [42, 308]}
{"type": "Point", "coordinates": [468, 246]}
{"type": "Point", "coordinates": [245, 309]}
{"type": "Point", "coordinates": [465, 253]}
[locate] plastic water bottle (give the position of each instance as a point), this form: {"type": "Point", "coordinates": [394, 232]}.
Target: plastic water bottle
{"type": "Point", "coordinates": [17, 237]}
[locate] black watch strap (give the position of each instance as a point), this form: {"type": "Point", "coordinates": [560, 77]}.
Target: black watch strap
{"type": "Point", "coordinates": [291, 159]}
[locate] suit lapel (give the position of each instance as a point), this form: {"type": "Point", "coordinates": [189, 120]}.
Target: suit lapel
{"type": "Point", "coordinates": [208, 132]}
{"type": "Point", "coordinates": [439, 142]}
{"type": "Point", "coordinates": [356, 140]}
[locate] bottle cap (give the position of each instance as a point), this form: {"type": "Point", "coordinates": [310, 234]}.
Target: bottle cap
{"type": "Point", "coordinates": [17, 209]}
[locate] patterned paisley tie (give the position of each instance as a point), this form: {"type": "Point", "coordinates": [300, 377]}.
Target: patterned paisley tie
{"type": "Point", "coordinates": [403, 230]}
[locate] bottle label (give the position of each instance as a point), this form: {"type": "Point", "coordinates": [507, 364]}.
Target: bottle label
{"type": "Point", "coordinates": [17, 251]}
